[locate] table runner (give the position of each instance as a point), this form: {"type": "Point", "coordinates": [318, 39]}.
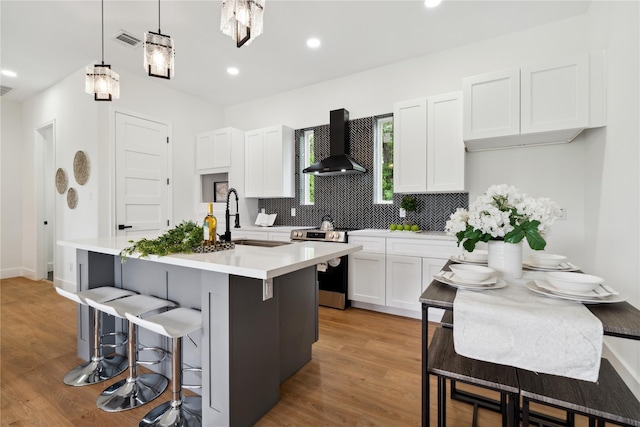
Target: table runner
{"type": "Point", "coordinates": [516, 327]}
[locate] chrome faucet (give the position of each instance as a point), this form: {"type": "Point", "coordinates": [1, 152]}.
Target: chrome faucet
{"type": "Point", "coordinates": [227, 216]}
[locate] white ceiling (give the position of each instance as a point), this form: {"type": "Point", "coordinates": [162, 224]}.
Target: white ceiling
{"type": "Point", "coordinates": [45, 41]}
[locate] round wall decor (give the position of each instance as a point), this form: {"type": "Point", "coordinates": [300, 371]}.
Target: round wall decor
{"type": "Point", "coordinates": [81, 167]}
{"type": "Point", "coordinates": [72, 198]}
{"type": "Point", "coordinates": [61, 181]}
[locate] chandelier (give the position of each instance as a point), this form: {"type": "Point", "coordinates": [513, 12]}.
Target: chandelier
{"type": "Point", "coordinates": [242, 20]}
{"type": "Point", "coordinates": [159, 53]}
{"type": "Point", "coordinates": [101, 81]}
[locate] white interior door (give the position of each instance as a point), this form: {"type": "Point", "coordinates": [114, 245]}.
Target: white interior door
{"type": "Point", "coordinates": [142, 176]}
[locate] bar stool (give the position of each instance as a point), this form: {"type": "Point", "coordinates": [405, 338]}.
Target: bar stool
{"type": "Point", "coordinates": [445, 364]}
{"type": "Point", "coordinates": [180, 411]}
{"type": "Point", "coordinates": [609, 400]}
{"type": "Point", "coordinates": [135, 390]}
{"type": "Point", "coordinates": [99, 368]}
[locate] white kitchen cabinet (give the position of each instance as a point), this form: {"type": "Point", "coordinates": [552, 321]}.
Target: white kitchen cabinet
{"type": "Point", "coordinates": [428, 150]}
{"type": "Point", "coordinates": [404, 282]}
{"type": "Point", "coordinates": [491, 105]}
{"type": "Point", "coordinates": [445, 147]}
{"type": "Point", "coordinates": [367, 277]}
{"type": "Point", "coordinates": [213, 148]}
{"type": "Point", "coordinates": [410, 146]}
{"type": "Point", "coordinates": [430, 267]}
{"type": "Point", "coordinates": [239, 233]}
{"type": "Point", "coordinates": [269, 162]}
{"type": "Point", "coordinates": [280, 236]}
{"type": "Point", "coordinates": [532, 105]}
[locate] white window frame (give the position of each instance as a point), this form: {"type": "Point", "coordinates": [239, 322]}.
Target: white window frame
{"type": "Point", "coordinates": [305, 181]}
{"type": "Point", "coordinates": [377, 158]}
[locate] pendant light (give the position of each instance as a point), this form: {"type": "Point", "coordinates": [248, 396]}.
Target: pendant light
{"type": "Point", "coordinates": [159, 53]}
{"type": "Point", "coordinates": [242, 20]}
{"type": "Point", "coordinates": [101, 80]}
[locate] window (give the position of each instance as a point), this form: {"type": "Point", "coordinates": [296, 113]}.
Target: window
{"type": "Point", "coordinates": [307, 159]}
{"type": "Point", "coordinates": [383, 157]}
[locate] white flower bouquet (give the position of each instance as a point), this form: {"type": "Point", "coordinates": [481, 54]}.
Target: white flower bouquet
{"type": "Point", "coordinates": [503, 213]}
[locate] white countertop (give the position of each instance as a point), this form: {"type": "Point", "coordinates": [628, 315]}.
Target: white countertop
{"type": "Point", "coordinates": [427, 235]}
{"type": "Point", "coordinates": [247, 261]}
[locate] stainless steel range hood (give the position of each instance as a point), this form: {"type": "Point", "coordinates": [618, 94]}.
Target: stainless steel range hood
{"type": "Point", "coordinates": [339, 162]}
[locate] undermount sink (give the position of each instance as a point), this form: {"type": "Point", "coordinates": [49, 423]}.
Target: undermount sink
{"type": "Point", "coordinates": [262, 243]}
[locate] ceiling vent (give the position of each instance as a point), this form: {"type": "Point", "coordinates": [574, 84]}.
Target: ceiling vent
{"type": "Point", "coordinates": [5, 90]}
{"type": "Point", "coordinates": [127, 39]}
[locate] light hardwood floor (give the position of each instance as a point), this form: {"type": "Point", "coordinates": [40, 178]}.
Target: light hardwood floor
{"type": "Point", "coordinates": [365, 370]}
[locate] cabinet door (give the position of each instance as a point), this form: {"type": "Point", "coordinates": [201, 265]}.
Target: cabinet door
{"type": "Point", "coordinates": [404, 282]}
{"type": "Point", "coordinates": [555, 95]}
{"type": "Point", "coordinates": [205, 151]}
{"type": "Point", "coordinates": [278, 162]}
{"type": "Point", "coordinates": [410, 146]}
{"type": "Point", "coordinates": [253, 164]}
{"type": "Point", "coordinates": [280, 236]}
{"type": "Point", "coordinates": [367, 278]}
{"type": "Point", "coordinates": [445, 147]}
{"type": "Point", "coordinates": [430, 267]}
{"type": "Point", "coordinates": [491, 105]}
{"type": "Point", "coordinates": [221, 148]}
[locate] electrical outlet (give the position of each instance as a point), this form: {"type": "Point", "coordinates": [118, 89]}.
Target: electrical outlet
{"type": "Point", "coordinates": [563, 214]}
{"type": "Point", "coordinates": [293, 211]}
{"type": "Point", "coordinates": [71, 266]}
{"type": "Point", "coordinates": [267, 289]}
{"type": "Point", "coordinates": [403, 213]}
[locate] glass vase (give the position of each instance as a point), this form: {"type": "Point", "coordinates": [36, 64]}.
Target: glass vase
{"type": "Point", "coordinates": [505, 258]}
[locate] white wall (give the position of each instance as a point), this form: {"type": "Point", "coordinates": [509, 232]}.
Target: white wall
{"type": "Point", "coordinates": [11, 202]}
{"type": "Point", "coordinates": [83, 124]}
{"type": "Point", "coordinates": [595, 178]}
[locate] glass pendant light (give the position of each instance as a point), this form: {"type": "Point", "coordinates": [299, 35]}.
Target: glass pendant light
{"type": "Point", "coordinates": [242, 20]}
{"type": "Point", "coordinates": [101, 80]}
{"type": "Point", "coordinates": [159, 53]}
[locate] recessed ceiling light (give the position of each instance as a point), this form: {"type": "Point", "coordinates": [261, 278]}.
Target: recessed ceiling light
{"type": "Point", "coordinates": [233, 71]}
{"type": "Point", "coordinates": [432, 3]}
{"type": "Point", "coordinates": [9, 73]}
{"type": "Point", "coordinates": [313, 43]}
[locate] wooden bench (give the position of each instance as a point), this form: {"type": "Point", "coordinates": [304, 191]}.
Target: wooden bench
{"type": "Point", "coordinates": [608, 400]}
{"type": "Point", "coordinates": [445, 364]}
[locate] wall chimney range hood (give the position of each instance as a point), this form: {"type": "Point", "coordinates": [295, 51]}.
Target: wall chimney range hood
{"type": "Point", "coordinates": [339, 162]}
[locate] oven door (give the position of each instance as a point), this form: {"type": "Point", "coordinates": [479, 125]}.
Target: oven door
{"type": "Point", "coordinates": [332, 283]}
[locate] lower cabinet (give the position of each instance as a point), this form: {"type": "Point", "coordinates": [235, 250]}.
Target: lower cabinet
{"type": "Point", "coordinates": [390, 274]}
{"type": "Point", "coordinates": [404, 281]}
{"type": "Point", "coordinates": [367, 278]}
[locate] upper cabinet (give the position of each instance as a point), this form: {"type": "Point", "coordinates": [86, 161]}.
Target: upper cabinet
{"type": "Point", "coordinates": [269, 162]}
{"type": "Point", "coordinates": [541, 104]}
{"type": "Point", "coordinates": [213, 148]}
{"type": "Point", "coordinates": [428, 152]}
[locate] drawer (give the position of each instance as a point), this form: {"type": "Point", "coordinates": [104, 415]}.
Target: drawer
{"type": "Point", "coordinates": [374, 245]}
{"type": "Point", "coordinates": [422, 248]}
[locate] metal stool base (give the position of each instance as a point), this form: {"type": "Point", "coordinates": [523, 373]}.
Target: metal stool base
{"type": "Point", "coordinates": [96, 370]}
{"type": "Point", "coordinates": [131, 393]}
{"type": "Point", "coordinates": [187, 413]}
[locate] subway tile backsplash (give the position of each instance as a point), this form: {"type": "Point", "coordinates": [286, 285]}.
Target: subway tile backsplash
{"type": "Point", "coordinates": [349, 199]}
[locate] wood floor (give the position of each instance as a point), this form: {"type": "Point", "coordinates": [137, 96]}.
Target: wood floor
{"type": "Point", "coordinates": [365, 370]}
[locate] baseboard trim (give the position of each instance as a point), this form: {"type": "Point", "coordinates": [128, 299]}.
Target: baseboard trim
{"type": "Point", "coordinates": [8, 273]}
{"type": "Point", "coordinates": [435, 314]}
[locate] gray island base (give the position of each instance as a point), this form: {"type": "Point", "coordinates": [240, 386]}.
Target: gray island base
{"type": "Point", "coordinates": [247, 346]}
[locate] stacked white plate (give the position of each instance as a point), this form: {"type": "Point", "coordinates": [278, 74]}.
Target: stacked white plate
{"type": "Point", "coordinates": [580, 287]}
{"type": "Point", "coordinates": [542, 261]}
{"type": "Point", "coordinates": [477, 256]}
{"type": "Point", "coordinates": [466, 276]}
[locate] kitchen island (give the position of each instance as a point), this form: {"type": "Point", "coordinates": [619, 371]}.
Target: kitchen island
{"type": "Point", "coordinates": [259, 309]}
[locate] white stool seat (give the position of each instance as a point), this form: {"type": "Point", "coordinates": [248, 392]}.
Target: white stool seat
{"type": "Point", "coordinates": [136, 305]}
{"type": "Point", "coordinates": [173, 323]}
{"type": "Point", "coordinates": [99, 368]}
{"type": "Point", "coordinates": [102, 294]}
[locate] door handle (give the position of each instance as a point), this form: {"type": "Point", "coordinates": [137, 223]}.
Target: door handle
{"type": "Point", "coordinates": [122, 226]}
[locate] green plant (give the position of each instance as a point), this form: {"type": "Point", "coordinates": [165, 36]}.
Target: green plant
{"type": "Point", "coordinates": [182, 239]}
{"type": "Point", "coordinates": [409, 203]}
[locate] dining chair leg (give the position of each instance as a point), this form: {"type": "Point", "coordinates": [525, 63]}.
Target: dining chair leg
{"type": "Point", "coordinates": [525, 412]}
{"type": "Point", "coordinates": [513, 410]}
{"type": "Point", "coordinates": [571, 418]}
{"type": "Point", "coordinates": [442, 402]}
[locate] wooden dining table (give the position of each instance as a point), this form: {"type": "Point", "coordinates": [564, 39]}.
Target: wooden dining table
{"type": "Point", "coordinates": [619, 319]}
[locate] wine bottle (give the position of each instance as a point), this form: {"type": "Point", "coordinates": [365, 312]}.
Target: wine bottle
{"type": "Point", "coordinates": [209, 225]}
